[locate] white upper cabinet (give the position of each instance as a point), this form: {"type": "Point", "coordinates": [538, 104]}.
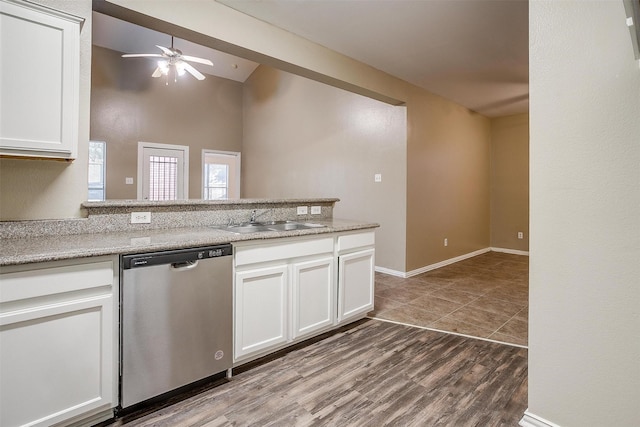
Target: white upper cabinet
{"type": "Point", "coordinates": [39, 81]}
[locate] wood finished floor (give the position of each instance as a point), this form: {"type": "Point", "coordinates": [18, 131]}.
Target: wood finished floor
{"type": "Point", "coordinates": [372, 374]}
{"type": "Point", "coordinates": [486, 296]}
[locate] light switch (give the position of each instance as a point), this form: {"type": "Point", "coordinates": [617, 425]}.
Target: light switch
{"type": "Point", "coordinates": [128, 180]}
{"type": "Point", "coordinates": [377, 177]}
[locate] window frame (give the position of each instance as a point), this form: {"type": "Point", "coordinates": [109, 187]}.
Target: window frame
{"type": "Point", "coordinates": [233, 192]}
{"type": "Point", "coordinates": [104, 172]}
{"type": "Point", "coordinates": [142, 145]}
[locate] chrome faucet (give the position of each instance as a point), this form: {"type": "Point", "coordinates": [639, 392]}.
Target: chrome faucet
{"type": "Point", "coordinates": [255, 214]}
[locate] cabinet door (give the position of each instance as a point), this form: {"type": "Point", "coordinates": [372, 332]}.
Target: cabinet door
{"type": "Point", "coordinates": [39, 81]}
{"type": "Point", "coordinates": [355, 284]}
{"type": "Point", "coordinates": [56, 361]}
{"type": "Point", "coordinates": [260, 309]}
{"type": "Point", "coordinates": [312, 296]}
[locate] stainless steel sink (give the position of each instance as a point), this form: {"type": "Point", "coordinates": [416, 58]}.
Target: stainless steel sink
{"type": "Point", "coordinates": [258, 227]}
{"type": "Point", "coordinates": [245, 228]}
{"type": "Point", "coordinates": [290, 226]}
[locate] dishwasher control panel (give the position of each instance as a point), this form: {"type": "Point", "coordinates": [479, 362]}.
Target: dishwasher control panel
{"type": "Point", "coordinates": [175, 256]}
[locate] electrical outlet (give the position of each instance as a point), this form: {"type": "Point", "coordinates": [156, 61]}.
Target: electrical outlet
{"type": "Point", "coordinates": [316, 210]}
{"type": "Point", "coordinates": [128, 180]}
{"type": "Point", "coordinates": [140, 217]}
{"type": "Point", "coordinates": [446, 241]}
{"type": "Point", "coordinates": [520, 235]}
{"type": "Point", "coordinates": [377, 177]}
{"type": "Point", "coordinates": [303, 210]}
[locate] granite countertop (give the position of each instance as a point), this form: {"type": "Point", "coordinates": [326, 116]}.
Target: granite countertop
{"type": "Point", "coordinates": [55, 248]}
{"type": "Point", "coordinates": [202, 202]}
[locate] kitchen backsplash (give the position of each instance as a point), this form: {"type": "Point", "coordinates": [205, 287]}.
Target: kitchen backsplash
{"type": "Point", "coordinates": [115, 215]}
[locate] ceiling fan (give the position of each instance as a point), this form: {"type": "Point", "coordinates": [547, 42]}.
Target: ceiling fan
{"type": "Point", "coordinates": [172, 61]}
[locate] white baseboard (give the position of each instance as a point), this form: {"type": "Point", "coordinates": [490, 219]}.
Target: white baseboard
{"type": "Point", "coordinates": [509, 251]}
{"type": "Point", "coordinates": [391, 272]}
{"type": "Point", "coordinates": [531, 420]}
{"type": "Point", "coordinates": [446, 262]}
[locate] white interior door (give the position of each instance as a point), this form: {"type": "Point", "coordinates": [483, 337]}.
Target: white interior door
{"type": "Point", "coordinates": [220, 175]}
{"type": "Point", "coordinates": [163, 171]}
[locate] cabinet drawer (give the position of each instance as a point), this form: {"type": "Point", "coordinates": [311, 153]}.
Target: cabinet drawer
{"type": "Point", "coordinates": [293, 249]}
{"type": "Point", "coordinates": [352, 241]}
{"type": "Point", "coordinates": [49, 281]}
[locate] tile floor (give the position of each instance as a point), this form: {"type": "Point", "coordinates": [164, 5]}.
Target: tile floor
{"type": "Point", "coordinates": [486, 296]}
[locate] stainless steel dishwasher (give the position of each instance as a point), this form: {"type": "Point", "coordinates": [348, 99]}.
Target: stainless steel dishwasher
{"type": "Point", "coordinates": [176, 324]}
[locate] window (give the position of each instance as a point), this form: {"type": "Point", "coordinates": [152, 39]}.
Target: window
{"type": "Point", "coordinates": [220, 175]}
{"type": "Point", "coordinates": [163, 171]}
{"type": "Point", "coordinates": [97, 170]}
{"type": "Point", "coordinates": [216, 182]}
{"type": "Point", "coordinates": [163, 181]}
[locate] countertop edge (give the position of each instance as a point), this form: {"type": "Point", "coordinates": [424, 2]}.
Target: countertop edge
{"type": "Point", "coordinates": [201, 202]}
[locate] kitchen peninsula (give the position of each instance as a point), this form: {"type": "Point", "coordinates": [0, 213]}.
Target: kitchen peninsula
{"type": "Point", "coordinates": [61, 290]}
{"type": "Point", "coordinates": [107, 230]}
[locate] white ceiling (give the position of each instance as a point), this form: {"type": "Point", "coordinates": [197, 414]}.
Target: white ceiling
{"type": "Point", "coordinates": [126, 37]}
{"type": "Point", "coordinates": [474, 52]}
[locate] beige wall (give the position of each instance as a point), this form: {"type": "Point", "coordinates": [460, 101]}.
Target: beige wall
{"type": "Point", "coordinates": [448, 158]}
{"type": "Point", "coordinates": [306, 139]}
{"type": "Point", "coordinates": [47, 189]}
{"type": "Point", "coordinates": [584, 317]}
{"type": "Point", "coordinates": [128, 105]}
{"type": "Point", "coordinates": [303, 138]}
{"type": "Point", "coordinates": [510, 182]}
{"type": "Point", "coordinates": [447, 146]}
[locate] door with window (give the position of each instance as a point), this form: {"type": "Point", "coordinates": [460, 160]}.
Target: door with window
{"type": "Point", "coordinates": [163, 171]}
{"type": "Point", "coordinates": [220, 175]}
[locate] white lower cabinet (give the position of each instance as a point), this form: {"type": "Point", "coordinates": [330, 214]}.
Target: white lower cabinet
{"type": "Point", "coordinates": [356, 274]}
{"type": "Point", "coordinates": [58, 343]}
{"type": "Point", "coordinates": [292, 289]}
{"type": "Point", "coordinates": [312, 296]}
{"type": "Point", "coordinates": [283, 291]}
{"type": "Point", "coordinates": [356, 279]}
{"type": "Point", "coordinates": [260, 309]}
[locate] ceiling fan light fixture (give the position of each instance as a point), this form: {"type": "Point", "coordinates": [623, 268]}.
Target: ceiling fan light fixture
{"type": "Point", "coordinates": [164, 67]}
{"type": "Point", "coordinates": [180, 68]}
{"type": "Point", "coordinates": [173, 58]}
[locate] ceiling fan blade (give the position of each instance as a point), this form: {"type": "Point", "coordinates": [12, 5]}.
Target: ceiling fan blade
{"type": "Point", "coordinates": [140, 55]}
{"type": "Point", "coordinates": [196, 59]}
{"type": "Point", "coordinates": [166, 50]}
{"type": "Point", "coordinates": [195, 73]}
{"type": "Point", "coordinates": [157, 72]}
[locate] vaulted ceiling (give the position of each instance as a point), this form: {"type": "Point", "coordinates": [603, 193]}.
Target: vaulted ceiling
{"type": "Point", "coordinates": [474, 52]}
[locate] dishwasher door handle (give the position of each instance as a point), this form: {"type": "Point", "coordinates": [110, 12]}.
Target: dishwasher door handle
{"type": "Point", "coordinates": [183, 266]}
